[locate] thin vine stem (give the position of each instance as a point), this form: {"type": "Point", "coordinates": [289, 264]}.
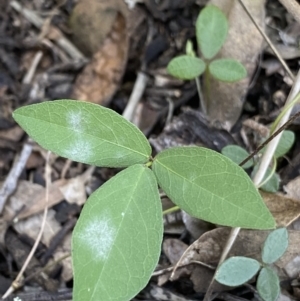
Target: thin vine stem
{"type": "Point", "coordinates": [277, 132]}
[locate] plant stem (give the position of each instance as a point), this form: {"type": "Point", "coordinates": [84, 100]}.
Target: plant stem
{"type": "Point", "coordinates": [271, 147]}
{"type": "Point", "coordinates": [285, 109]}
{"type": "Point", "coordinates": [270, 175]}
{"type": "Point", "coordinates": [201, 99]}
{"type": "Point", "coordinates": [171, 210]}
{"type": "Point", "coordinates": [206, 89]}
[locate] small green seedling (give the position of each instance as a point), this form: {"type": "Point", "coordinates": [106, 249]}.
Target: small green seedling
{"type": "Point", "coordinates": [211, 33]}
{"type": "Point", "coordinates": [271, 180]}
{"type": "Point", "coordinates": [236, 271]}
{"type": "Point", "coordinates": [116, 242]}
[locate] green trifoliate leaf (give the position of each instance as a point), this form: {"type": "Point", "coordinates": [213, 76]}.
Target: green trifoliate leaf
{"type": "Point", "coordinates": [227, 70]}
{"type": "Point", "coordinates": [275, 245]}
{"type": "Point", "coordinates": [186, 67]}
{"type": "Point", "coordinates": [211, 30]}
{"type": "Point", "coordinates": [237, 270]}
{"type": "Point", "coordinates": [237, 154]}
{"type": "Point", "coordinates": [268, 285]}
{"type": "Point", "coordinates": [210, 186]}
{"type": "Point", "coordinates": [117, 240]}
{"type": "Point", "coordinates": [84, 132]}
{"type": "Point", "coordinates": [285, 143]}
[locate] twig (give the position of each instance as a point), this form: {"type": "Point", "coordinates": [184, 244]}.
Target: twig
{"type": "Point", "coordinates": [10, 182]}
{"type": "Point", "coordinates": [281, 60]}
{"type": "Point", "coordinates": [229, 243]}
{"type": "Point", "coordinates": [17, 282]}
{"type": "Point", "coordinates": [140, 83]}
{"type": "Point", "coordinates": [201, 98]}
{"type": "Point", "coordinates": [170, 111]}
{"type": "Point", "coordinates": [271, 147]}
{"type": "Point", "coordinates": [172, 268]}
{"type": "Point", "coordinates": [137, 92]}
{"type": "Point", "coordinates": [65, 169]}
{"type": "Point", "coordinates": [31, 71]}
{"type": "Point", "coordinates": [178, 264]}
{"type": "Point", "coordinates": [57, 240]}
{"type": "Point", "coordinates": [38, 22]}
{"type": "Point", "coordinates": [293, 8]}
{"type": "Point", "coordinates": [260, 147]}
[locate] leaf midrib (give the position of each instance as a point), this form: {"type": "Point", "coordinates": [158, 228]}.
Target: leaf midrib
{"type": "Point", "coordinates": [232, 204]}
{"type": "Point", "coordinates": [134, 187]}
{"type": "Point", "coordinates": [72, 130]}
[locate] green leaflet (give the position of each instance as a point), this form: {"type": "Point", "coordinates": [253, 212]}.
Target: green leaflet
{"type": "Point", "coordinates": [227, 70]}
{"type": "Point", "coordinates": [285, 143]}
{"type": "Point", "coordinates": [117, 239]}
{"type": "Point", "coordinates": [237, 270]}
{"type": "Point", "coordinates": [186, 67]}
{"type": "Point", "coordinates": [268, 284]}
{"type": "Point", "coordinates": [272, 185]}
{"type": "Point", "coordinates": [275, 245]}
{"type": "Point", "coordinates": [211, 30]}
{"type": "Point", "coordinates": [237, 154]}
{"type": "Point", "coordinates": [84, 132]}
{"type": "Point", "coordinates": [210, 186]}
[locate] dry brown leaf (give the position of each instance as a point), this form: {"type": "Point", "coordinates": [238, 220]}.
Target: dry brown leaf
{"type": "Point", "coordinates": [173, 249]}
{"type": "Point", "coordinates": [195, 226]}
{"type": "Point", "coordinates": [24, 198]}
{"type": "Point", "coordinates": [34, 161]}
{"type": "Point", "coordinates": [74, 189]}
{"type": "Point", "coordinates": [244, 43]}
{"type": "Point", "coordinates": [101, 27]}
{"type": "Point", "coordinates": [13, 134]}
{"type": "Point", "coordinates": [28, 195]}
{"type": "Point", "coordinates": [31, 227]}
{"type": "Point", "coordinates": [145, 118]}
{"type": "Point", "coordinates": [29, 199]}
{"type": "Point", "coordinates": [292, 189]}
{"type": "Point", "coordinates": [92, 20]}
{"type": "Point", "coordinates": [285, 210]}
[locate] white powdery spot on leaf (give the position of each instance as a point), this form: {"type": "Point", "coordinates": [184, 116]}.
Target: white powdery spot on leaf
{"type": "Point", "coordinates": [74, 119]}
{"type": "Point", "coordinates": [97, 237]}
{"type": "Point", "coordinates": [79, 150]}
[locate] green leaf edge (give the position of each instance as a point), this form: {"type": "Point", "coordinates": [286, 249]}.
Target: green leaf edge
{"type": "Point", "coordinates": [268, 241]}
{"type": "Point", "coordinates": [261, 283]}
{"type": "Point", "coordinates": [223, 269]}
{"type": "Point", "coordinates": [237, 77]}
{"type": "Point", "coordinates": [135, 166]}
{"type": "Point", "coordinates": [178, 60]}
{"type": "Point", "coordinates": [200, 217]}
{"type": "Point", "coordinates": [224, 150]}
{"type": "Point", "coordinates": [16, 115]}
{"type": "Point", "coordinates": [219, 14]}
